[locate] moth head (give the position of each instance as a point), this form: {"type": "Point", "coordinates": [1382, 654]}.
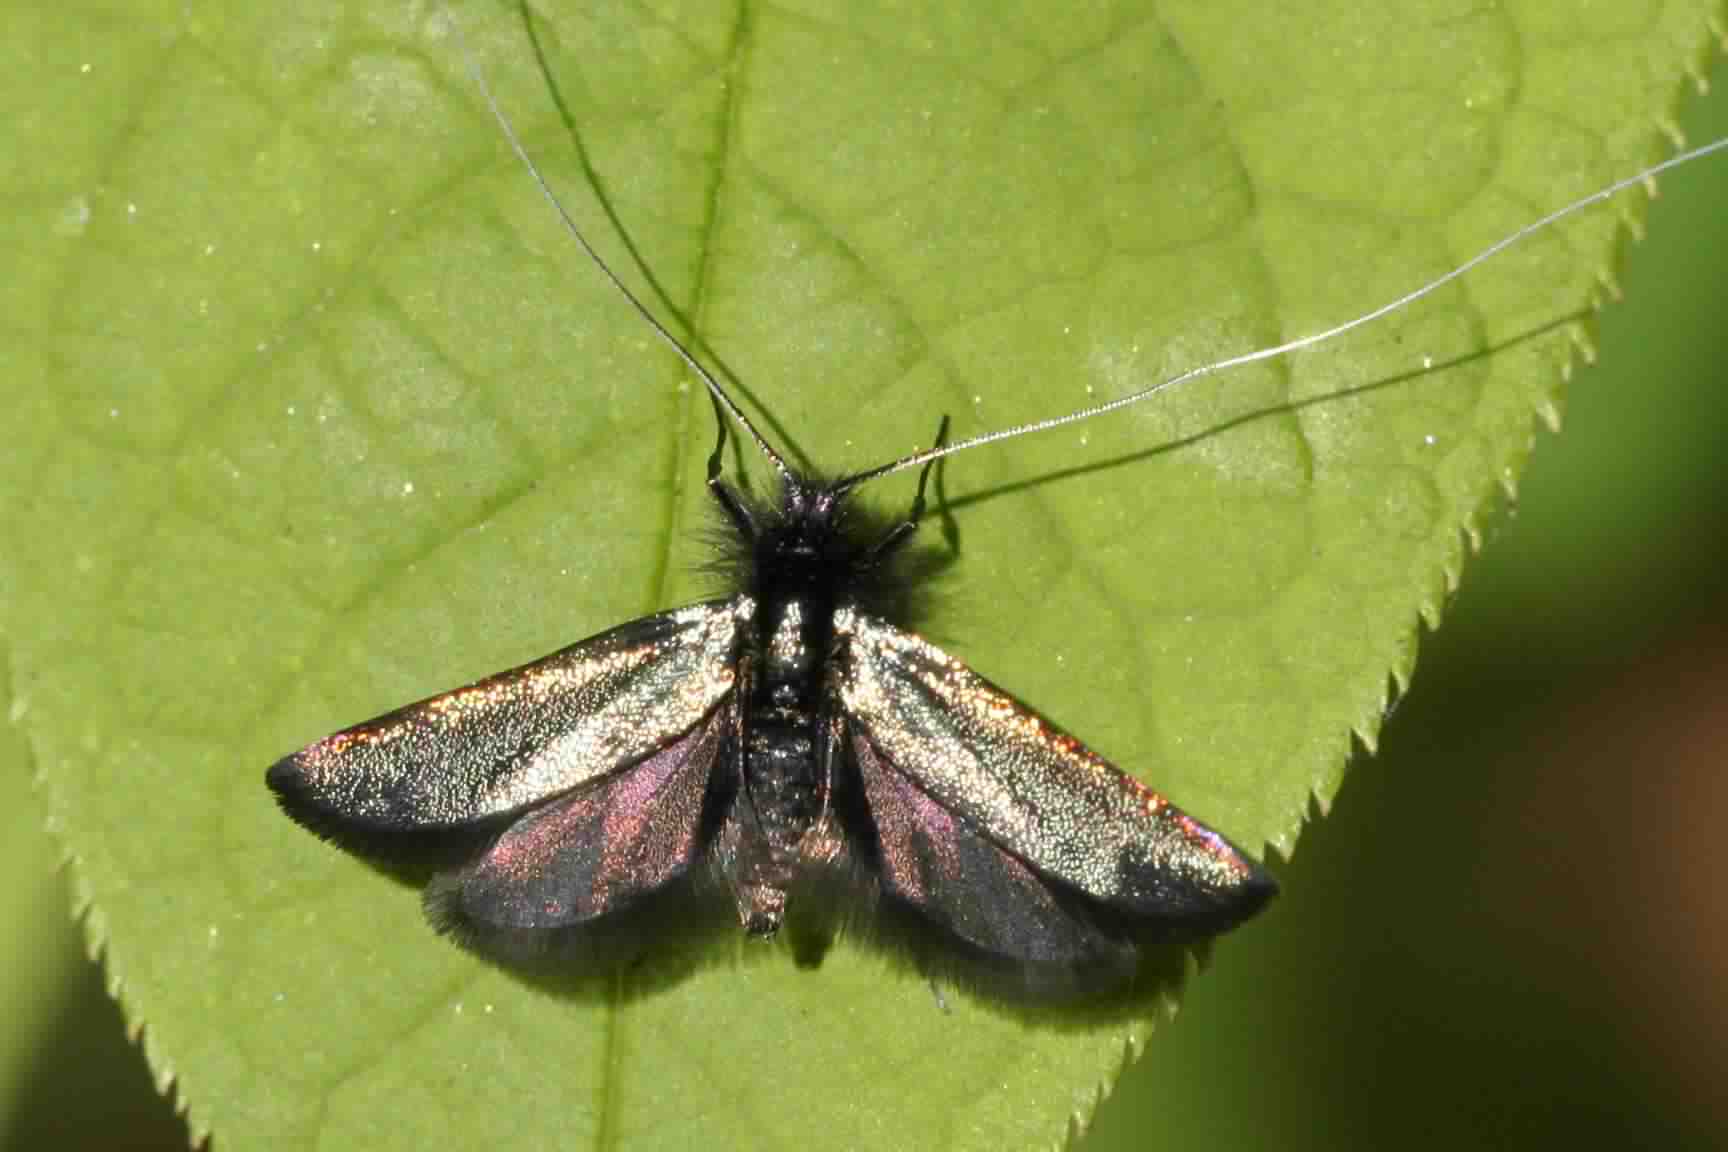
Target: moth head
{"type": "Point", "coordinates": [810, 513]}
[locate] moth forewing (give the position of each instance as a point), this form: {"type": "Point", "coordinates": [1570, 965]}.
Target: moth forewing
{"type": "Point", "coordinates": [520, 737]}
{"type": "Point", "coordinates": [1035, 791]}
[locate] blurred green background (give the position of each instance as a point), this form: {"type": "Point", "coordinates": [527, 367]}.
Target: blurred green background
{"type": "Point", "coordinates": [1509, 932]}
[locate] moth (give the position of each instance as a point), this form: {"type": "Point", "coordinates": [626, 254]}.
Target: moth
{"type": "Point", "coordinates": [788, 735]}
{"type": "Point", "coordinates": [783, 730]}
{"type": "Point", "coordinates": [787, 729]}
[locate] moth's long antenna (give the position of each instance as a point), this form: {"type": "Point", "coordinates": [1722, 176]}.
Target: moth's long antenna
{"type": "Point", "coordinates": [724, 401]}
{"type": "Point", "coordinates": [920, 458]}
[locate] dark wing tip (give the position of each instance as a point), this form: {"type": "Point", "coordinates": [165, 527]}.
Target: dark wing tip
{"type": "Point", "coordinates": [300, 798]}
{"type": "Point", "coordinates": [408, 852]}
{"type": "Point", "coordinates": [1252, 894]}
{"type": "Point", "coordinates": [293, 789]}
{"type": "Point", "coordinates": [284, 775]}
{"type": "Point", "coordinates": [1227, 889]}
{"type": "Point", "coordinates": [1216, 908]}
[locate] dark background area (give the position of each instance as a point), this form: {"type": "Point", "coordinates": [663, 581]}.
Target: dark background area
{"type": "Point", "coordinates": [1510, 931]}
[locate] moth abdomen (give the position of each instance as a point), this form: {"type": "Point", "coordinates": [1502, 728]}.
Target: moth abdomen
{"type": "Point", "coordinates": [801, 564]}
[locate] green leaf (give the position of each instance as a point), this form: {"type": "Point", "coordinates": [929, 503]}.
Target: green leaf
{"type": "Point", "coordinates": [313, 410]}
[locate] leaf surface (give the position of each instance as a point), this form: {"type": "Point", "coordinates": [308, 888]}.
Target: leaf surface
{"type": "Point", "coordinates": [314, 411]}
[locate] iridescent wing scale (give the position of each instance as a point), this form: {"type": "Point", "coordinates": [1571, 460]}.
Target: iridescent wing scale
{"type": "Point", "coordinates": [936, 742]}
{"type": "Point", "coordinates": [597, 850]}
{"type": "Point", "coordinates": [1025, 936]}
{"type": "Point", "coordinates": [521, 737]}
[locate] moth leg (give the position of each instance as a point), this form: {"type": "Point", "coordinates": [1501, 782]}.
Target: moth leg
{"type": "Point", "coordinates": [716, 459]}
{"type": "Point", "coordinates": [735, 509]}
{"type": "Point", "coordinates": [917, 512]}
{"type": "Point", "coordinates": [901, 531]}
